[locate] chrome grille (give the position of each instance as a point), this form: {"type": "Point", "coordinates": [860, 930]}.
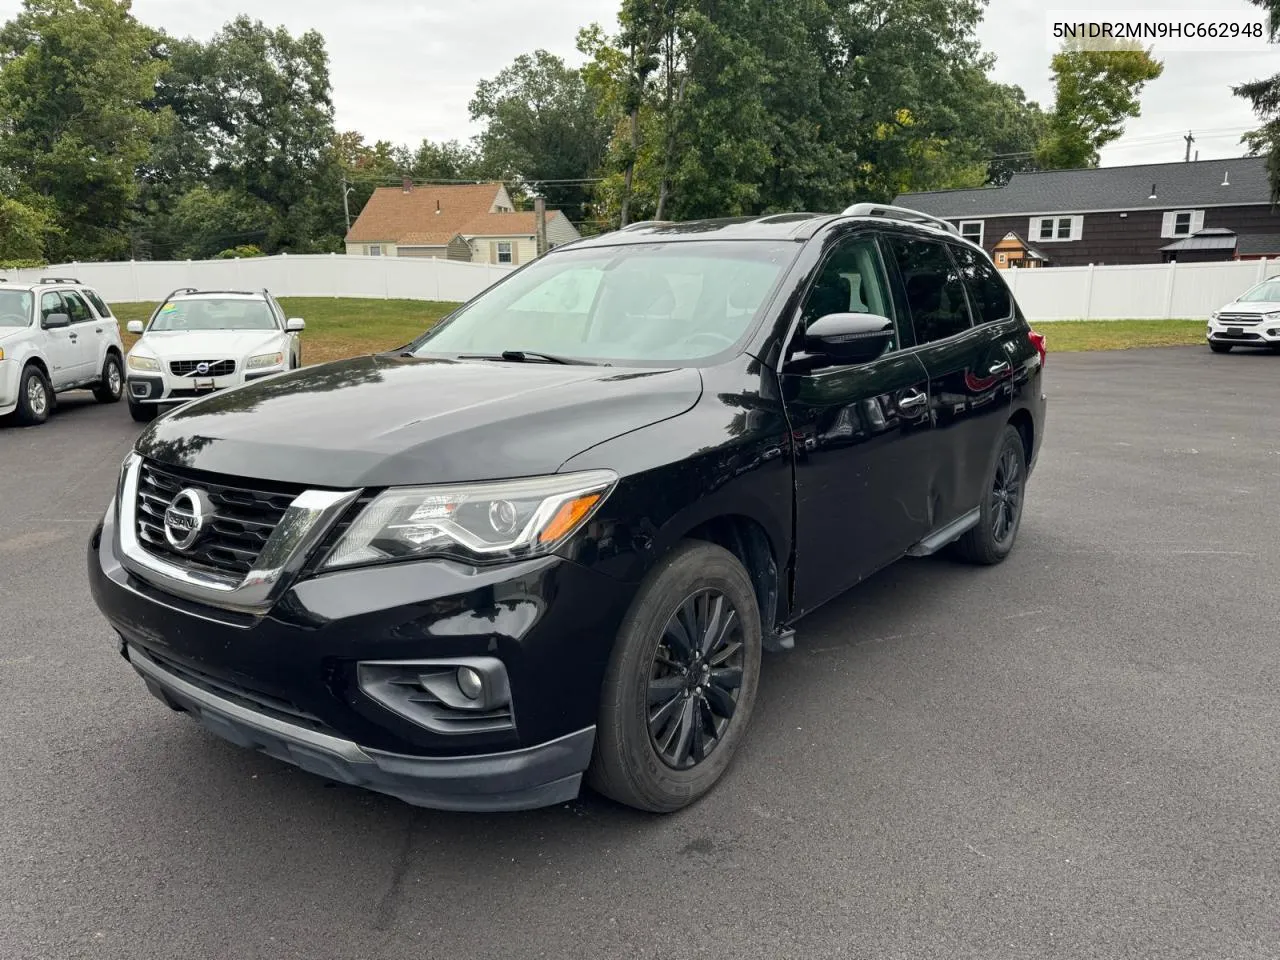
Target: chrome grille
{"type": "Point", "coordinates": [188, 368]}
{"type": "Point", "coordinates": [1240, 319]}
{"type": "Point", "coordinates": [243, 521]}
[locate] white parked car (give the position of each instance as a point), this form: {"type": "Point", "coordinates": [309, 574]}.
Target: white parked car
{"type": "Point", "coordinates": [55, 335]}
{"type": "Point", "coordinates": [1250, 320]}
{"type": "Point", "coordinates": [199, 342]}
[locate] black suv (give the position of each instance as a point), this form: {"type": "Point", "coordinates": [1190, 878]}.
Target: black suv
{"type": "Point", "coordinates": [550, 538]}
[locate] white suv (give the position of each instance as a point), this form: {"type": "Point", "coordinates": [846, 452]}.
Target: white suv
{"type": "Point", "coordinates": [1250, 320]}
{"type": "Point", "coordinates": [55, 335]}
{"type": "Point", "coordinates": [199, 342]}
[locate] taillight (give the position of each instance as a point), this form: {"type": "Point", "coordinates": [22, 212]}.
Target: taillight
{"type": "Point", "coordinates": [1037, 341]}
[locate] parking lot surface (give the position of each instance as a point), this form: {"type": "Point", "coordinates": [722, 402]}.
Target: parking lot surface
{"type": "Point", "coordinates": [1075, 754]}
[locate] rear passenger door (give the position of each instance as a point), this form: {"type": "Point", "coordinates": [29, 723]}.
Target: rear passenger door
{"type": "Point", "coordinates": [86, 336]}
{"type": "Point", "coordinates": [943, 288]}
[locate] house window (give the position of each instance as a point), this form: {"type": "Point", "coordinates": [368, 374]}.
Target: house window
{"type": "Point", "coordinates": [1182, 223]}
{"type": "Point", "coordinates": [375, 250]}
{"type": "Point", "coordinates": [504, 251]}
{"type": "Point", "coordinates": [1000, 258]}
{"type": "Point", "coordinates": [971, 230]}
{"type": "Point", "coordinates": [1055, 229]}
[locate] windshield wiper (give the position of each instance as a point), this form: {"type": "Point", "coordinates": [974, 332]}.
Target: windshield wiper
{"type": "Point", "coordinates": [525, 356]}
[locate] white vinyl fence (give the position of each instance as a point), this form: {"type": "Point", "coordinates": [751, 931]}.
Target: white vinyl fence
{"type": "Point", "coordinates": [320, 275]}
{"type": "Point", "coordinates": [1145, 291]}
{"type": "Point", "coordinates": [1155, 291]}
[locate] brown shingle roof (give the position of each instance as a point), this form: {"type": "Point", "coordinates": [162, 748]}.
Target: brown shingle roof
{"type": "Point", "coordinates": [520, 223]}
{"type": "Point", "coordinates": [393, 216]}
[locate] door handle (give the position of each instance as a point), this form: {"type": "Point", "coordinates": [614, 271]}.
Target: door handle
{"type": "Point", "coordinates": [909, 401]}
{"type": "Point", "coordinates": [998, 368]}
{"type": "Point", "coordinates": [99, 330]}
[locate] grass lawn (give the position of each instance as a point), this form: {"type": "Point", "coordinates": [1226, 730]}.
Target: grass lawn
{"type": "Point", "coordinates": [1064, 336]}
{"type": "Point", "coordinates": [344, 327]}
{"type": "Point", "coordinates": [336, 327]}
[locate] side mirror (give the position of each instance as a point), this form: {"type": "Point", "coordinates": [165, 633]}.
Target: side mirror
{"type": "Point", "coordinates": [294, 324]}
{"type": "Point", "coordinates": [134, 326]}
{"type": "Point", "coordinates": [849, 337]}
{"type": "Point", "coordinates": [55, 320]}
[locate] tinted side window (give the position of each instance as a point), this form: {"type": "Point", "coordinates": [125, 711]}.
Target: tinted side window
{"type": "Point", "coordinates": [935, 293]}
{"type": "Point", "coordinates": [987, 292]}
{"type": "Point", "coordinates": [98, 304]}
{"type": "Point", "coordinates": [851, 281]}
{"type": "Point", "coordinates": [50, 303]}
{"type": "Point", "coordinates": [77, 309]}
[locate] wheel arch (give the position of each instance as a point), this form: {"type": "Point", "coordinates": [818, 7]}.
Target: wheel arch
{"type": "Point", "coordinates": [1022, 422]}
{"type": "Point", "coordinates": [747, 539]}
{"type": "Point", "coordinates": [37, 361]}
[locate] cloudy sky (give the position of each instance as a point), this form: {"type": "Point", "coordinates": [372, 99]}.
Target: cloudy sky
{"type": "Point", "coordinates": [405, 69]}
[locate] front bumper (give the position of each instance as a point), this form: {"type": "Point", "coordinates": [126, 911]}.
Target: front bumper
{"type": "Point", "coordinates": [539, 776]}
{"type": "Point", "coordinates": [10, 373]}
{"type": "Point", "coordinates": [286, 683]}
{"type": "Point", "coordinates": [165, 388]}
{"type": "Point", "coordinates": [1263, 333]}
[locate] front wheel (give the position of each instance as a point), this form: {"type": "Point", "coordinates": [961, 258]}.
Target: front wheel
{"type": "Point", "coordinates": [681, 682]}
{"type": "Point", "coordinates": [111, 389]}
{"type": "Point", "coordinates": [1000, 515]}
{"type": "Point", "coordinates": [1220, 347]}
{"type": "Point", "coordinates": [35, 397]}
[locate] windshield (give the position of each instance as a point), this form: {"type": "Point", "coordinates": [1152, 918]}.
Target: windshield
{"type": "Point", "coordinates": [660, 303]}
{"type": "Point", "coordinates": [1266, 292]}
{"type": "Point", "coordinates": [15, 308]}
{"type": "Point", "coordinates": [213, 315]}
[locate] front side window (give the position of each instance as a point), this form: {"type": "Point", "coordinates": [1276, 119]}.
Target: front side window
{"type": "Point", "coordinates": [77, 309]}
{"type": "Point", "coordinates": [504, 251]}
{"type": "Point", "coordinates": [640, 303]}
{"type": "Point", "coordinates": [213, 315]}
{"type": "Point", "coordinates": [933, 287]}
{"type": "Point", "coordinates": [15, 308]}
{"type": "Point", "coordinates": [850, 282]}
{"type": "Point", "coordinates": [987, 292]}
{"type": "Point", "coordinates": [50, 303]}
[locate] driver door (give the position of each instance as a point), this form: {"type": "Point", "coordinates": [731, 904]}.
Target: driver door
{"type": "Point", "coordinates": [860, 434]}
{"type": "Point", "coordinates": [60, 348]}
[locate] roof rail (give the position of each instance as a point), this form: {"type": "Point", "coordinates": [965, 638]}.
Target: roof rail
{"type": "Point", "coordinates": [643, 223]}
{"type": "Point", "coordinates": [59, 280]}
{"type": "Point", "coordinates": [898, 213]}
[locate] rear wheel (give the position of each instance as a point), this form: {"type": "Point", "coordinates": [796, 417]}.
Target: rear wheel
{"type": "Point", "coordinates": [1220, 347]}
{"type": "Point", "coordinates": [35, 397]}
{"type": "Point", "coordinates": [993, 537]}
{"type": "Point", "coordinates": [681, 682]}
{"type": "Point", "coordinates": [111, 389]}
{"type": "Point", "coordinates": [142, 412]}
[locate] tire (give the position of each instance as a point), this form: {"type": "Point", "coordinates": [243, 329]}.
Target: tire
{"type": "Point", "coordinates": [1220, 347]}
{"type": "Point", "coordinates": [35, 397]}
{"type": "Point", "coordinates": [111, 389]}
{"type": "Point", "coordinates": [991, 540]}
{"type": "Point", "coordinates": [142, 412]}
{"type": "Point", "coordinates": [628, 765]}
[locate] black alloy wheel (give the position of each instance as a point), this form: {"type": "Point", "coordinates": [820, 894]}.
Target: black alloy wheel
{"type": "Point", "coordinates": [1006, 495]}
{"type": "Point", "coordinates": [695, 679]}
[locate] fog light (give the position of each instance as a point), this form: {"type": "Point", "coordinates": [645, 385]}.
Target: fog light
{"type": "Point", "coordinates": [470, 683]}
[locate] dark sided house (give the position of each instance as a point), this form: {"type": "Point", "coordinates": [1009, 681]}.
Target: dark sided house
{"type": "Point", "coordinates": [1196, 211]}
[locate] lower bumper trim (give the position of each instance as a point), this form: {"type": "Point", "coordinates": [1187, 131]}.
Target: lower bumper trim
{"type": "Point", "coordinates": [538, 776]}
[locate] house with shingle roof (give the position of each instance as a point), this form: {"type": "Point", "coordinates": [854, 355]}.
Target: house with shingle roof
{"type": "Point", "coordinates": [1197, 210]}
{"type": "Point", "coordinates": [474, 222]}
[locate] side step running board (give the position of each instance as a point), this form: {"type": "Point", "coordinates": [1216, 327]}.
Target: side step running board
{"type": "Point", "coordinates": [944, 535]}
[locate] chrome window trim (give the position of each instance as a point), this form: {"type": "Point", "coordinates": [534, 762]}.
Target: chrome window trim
{"type": "Point", "coordinates": [301, 528]}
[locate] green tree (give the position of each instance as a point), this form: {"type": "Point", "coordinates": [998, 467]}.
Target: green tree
{"type": "Point", "coordinates": [76, 77]}
{"type": "Point", "coordinates": [24, 231]}
{"type": "Point", "coordinates": [543, 124]}
{"type": "Point", "coordinates": [1096, 92]}
{"type": "Point", "coordinates": [1265, 96]}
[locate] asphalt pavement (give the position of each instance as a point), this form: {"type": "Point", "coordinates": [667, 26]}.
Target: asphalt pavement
{"type": "Point", "coordinates": [1075, 754]}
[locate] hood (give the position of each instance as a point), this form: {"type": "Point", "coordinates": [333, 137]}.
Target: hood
{"type": "Point", "coordinates": [384, 421]}
{"type": "Point", "coordinates": [208, 344]}
{"type": "Point", "coordinates": [1251, 307]}
{"type": "Point", "coordinates": [9, 333]}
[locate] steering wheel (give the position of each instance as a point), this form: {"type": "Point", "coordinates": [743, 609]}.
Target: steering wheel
{"type": "Point", "coordinates": [718, 340]}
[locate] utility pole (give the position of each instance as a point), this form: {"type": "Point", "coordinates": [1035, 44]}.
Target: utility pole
{"type": "Point", "coordinates": [1190, 140]}
{"type": "Point", "coordinates": [540, 219]}
{"type": "Point", "coordinates": [346, 208]}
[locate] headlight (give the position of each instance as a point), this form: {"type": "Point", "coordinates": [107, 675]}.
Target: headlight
{"type": "Point", "coordinates": [264, 360]}
{"type": "Point", "coordinates": [1, 353]}
{"type": "Point", "coordinates": [1273, 315]}
{"type": "Point", "coordinates": [143, 363]}
{"type": "Point", "coordinates": [505, 520]}
{"type": "Point", "coordinates": [1214, 315]}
